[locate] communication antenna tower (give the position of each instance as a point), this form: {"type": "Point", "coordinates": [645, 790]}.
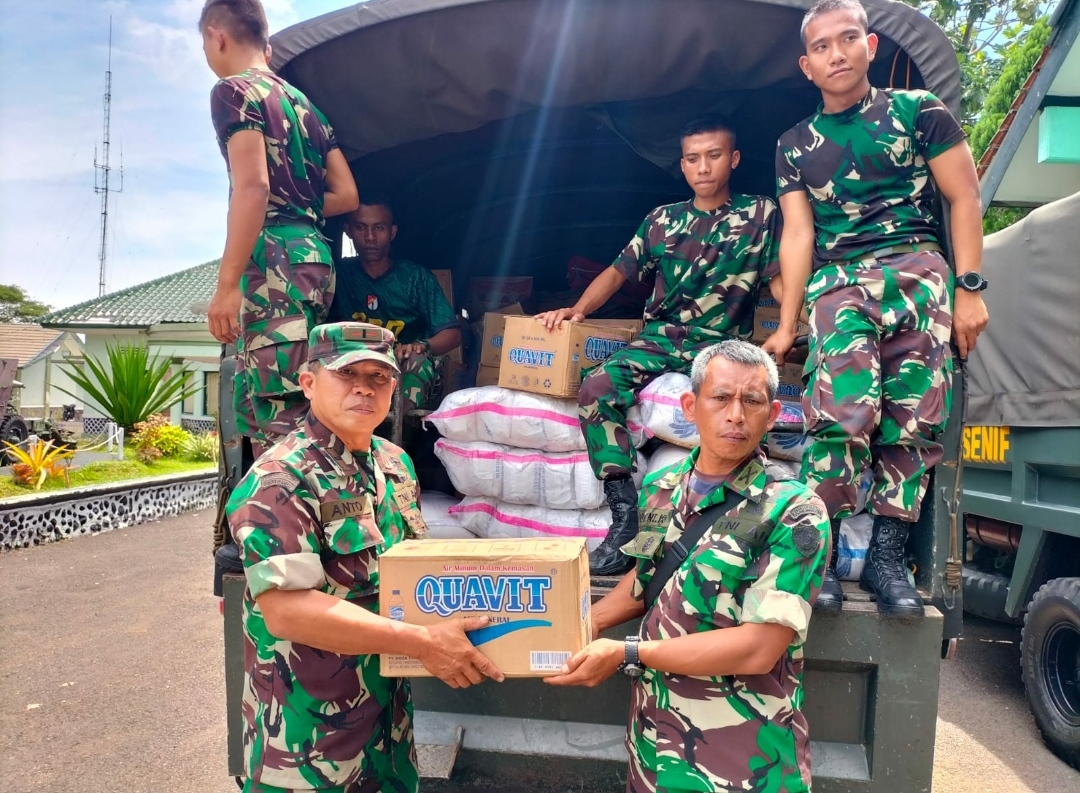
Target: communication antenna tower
{"type": "Point", "coordinates": [101, 173]}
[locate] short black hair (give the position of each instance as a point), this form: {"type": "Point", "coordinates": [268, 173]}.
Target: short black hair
{"type": "Point", "coordinates": [828, 6]}
{"type": "Point", "coordinates": [710, 122]}
{"type": "Point", "coordinates": [244, 20]}
{"type": "Point", "coordinates": [376, 198]}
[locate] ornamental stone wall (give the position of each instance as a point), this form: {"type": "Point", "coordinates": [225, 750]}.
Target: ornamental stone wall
{"type": "Point", "coordinates": [26, 521]}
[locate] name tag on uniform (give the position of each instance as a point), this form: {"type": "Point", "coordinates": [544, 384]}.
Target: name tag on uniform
{"type": "Point", "coordinates": [404, 498]}
{"type": "Point", "coordinates": [752, 531]}
{"type": "Point", "coordinates": [358, 507]}
{"type": "Point", "coordinates": [645, 545]}
{"type": "Point", "coordinates": [654, 518]}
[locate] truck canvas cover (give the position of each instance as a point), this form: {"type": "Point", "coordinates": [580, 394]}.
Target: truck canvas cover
{"type": "Point", "coordinates": [1025, 370]}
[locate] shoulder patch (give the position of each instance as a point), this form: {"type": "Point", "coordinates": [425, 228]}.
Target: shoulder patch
{"type": "Point", "coordinates": [282, 479]}
{"type": "Point", "coordinates": [800, 511]}
{"type": "Point", "coordinates": [807, 539]}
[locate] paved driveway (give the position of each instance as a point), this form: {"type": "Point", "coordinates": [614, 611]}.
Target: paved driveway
{"type": "Point", "coordinates": [110, 677]}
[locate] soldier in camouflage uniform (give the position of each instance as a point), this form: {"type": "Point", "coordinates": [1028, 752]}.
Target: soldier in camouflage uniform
{"type": "Point", "coordinates": [311, 518]}
{"type": "Point", "coordinates": [706, 258]}
{"type": "Point", "coordinates": [855, 188]}
{"type": "Point", "coordinates": [286, 174]}
{"type": "Point", "coordinates": [395, 294]}
{"type": "Point", "coordinates": [717, 667]}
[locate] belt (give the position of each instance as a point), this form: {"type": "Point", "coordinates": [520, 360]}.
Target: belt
{"type": "Point", "coordinates": [896, 250]}
{"type": "Point", "coordinates": [288, 221]}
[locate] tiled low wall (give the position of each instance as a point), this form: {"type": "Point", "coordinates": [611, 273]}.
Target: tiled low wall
{"type": "Point", "coordinates": [40, 518]}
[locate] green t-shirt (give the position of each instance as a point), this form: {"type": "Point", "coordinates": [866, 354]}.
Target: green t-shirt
{"type": "Point", "coordinates": [406, 299]}
{"type": "Point", "coordinates": [705, 267]}
{"type": "Point", "coordinates": [865, 171]}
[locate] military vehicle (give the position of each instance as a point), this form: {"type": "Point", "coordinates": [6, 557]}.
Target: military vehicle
{"type": "Point", "coordinates": [516, 134]}
{"type": "Point", "coordinates": [1021, 488]}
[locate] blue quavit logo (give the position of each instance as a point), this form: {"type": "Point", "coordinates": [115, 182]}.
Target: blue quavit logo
{"type": "Point", "coordinates": [496, 341]}
{"type": "Point", "coordinates": [526, 357]}
{"type": "Point", "coordinates": [450, 594]}
{"type": "Point", "coordinates": [789, 390]}
{"type": "Point", "coordinates": [597, 349]}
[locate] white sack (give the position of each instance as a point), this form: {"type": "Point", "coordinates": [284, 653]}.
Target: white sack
{"type": "Point", "coordinates": [854, 540]}
{"type": "Point", "coordinates": [667, 455]}
{"type": "Point", "coordinates": [555, 480]}
{"type": "Point", "coordinates": [435, 508]}
{"type": "Point", "coordinates": [661, 412]}
{"type": "Point", "coordinates": [517, 418]}
{"type": "Point", "coordinates": [788, 445]}
{"type": "Point", "coordinates": [487, 517]}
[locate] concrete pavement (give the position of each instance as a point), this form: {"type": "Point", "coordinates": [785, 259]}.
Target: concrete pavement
{"type": "Point", "coordinates": [111, 679]}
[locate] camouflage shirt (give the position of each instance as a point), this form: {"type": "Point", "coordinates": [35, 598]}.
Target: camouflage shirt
{"type": "Point", "coordinates": [705, 266]}
{"type": "Point", "coordinates": [310, 514]}
{"type": "Point", "coordinates": [865, 171]}
{"type": "Point", "coordinates": [298, 139]}
{"type": "Point", "coordinates": [736, 732]}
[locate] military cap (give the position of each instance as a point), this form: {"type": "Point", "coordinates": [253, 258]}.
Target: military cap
{"type": "Point", "coordinates": [339, 344]}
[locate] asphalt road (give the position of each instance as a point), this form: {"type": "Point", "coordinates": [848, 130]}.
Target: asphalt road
{"type": "Point", "coordinates": [110, 677]}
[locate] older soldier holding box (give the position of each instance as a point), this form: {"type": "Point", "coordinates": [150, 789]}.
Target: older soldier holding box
{"type": "Point", "coordinates": [730, 557]}
{"type": "Point", "coordinates": [311, 518]}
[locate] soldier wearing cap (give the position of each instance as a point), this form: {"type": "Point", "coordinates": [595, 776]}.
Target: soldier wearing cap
{"type": "Point", "coordinates": [311, 518]}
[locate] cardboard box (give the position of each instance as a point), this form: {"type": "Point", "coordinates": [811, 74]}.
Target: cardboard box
{"type": "Point", "coordinates": [791, 383]}
{"type": "Point", "coordinates": [487, 375]}
{"type": "Point", "coordinates": [550, 363]}
{"type": "Point", "coordinates": [767, 320]}
{"type": "Point", "coordinates": [636, 325]}
{"type": "Point", "coordinates": [493, 293]}
{"type": "Point", "coordinates": [535, 591]}
{"type": "Point", "coordinates": [446, 281]}
{"type": "Point", "coordinates": [491, 344]}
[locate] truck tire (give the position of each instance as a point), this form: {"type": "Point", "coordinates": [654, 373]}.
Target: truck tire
{"type": "Point", "coordinates": [985, 593]}
{"type": "Point", "coordinates": [1050, 661]}
{"type": "Point", "coordinates": [13, 429]}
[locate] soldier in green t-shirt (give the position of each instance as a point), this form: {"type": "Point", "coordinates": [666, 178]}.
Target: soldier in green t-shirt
{"type": "Point", "coordinates": [395, 294]}
{"type": "Point", "coordinates": [861, 243]}
{"type": "Point", "coordinates": [705, 259]}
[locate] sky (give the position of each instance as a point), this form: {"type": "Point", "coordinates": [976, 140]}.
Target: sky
{"type": "Point", "coordinates": [171, 212]}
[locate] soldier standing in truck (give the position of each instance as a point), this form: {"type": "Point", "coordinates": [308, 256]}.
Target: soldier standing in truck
{"type": "Point", "coordinates": [706, 258]}
{"type": "Point", "coordinates": [286, 174]}
{"type": "Point", "coordinates": [862, 244]}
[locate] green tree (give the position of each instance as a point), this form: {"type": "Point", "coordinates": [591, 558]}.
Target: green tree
{"type": "Point", "coordinates": [16, 305]}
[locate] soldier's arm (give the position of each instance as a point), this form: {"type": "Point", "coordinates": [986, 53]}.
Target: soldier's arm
{"type": "Point", "coordinates": [341, 195]}
{"type": "Point", "coordinates": [617, 606]}
{"type": "Point", "coordinates": [444, 341]}
{"type": "Point", "coordinates": [956, 178]}
{"type": "Point", "coordinates": [796, 255]}
{"type": "Point", "coordinates": [595, 295]}
{"type": "Point", "coordinates": [747, 649]}
{"type": "Point", "coordinates": [247, 209]}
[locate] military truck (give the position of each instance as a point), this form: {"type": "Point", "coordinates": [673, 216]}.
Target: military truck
{"type": "Point", "coordinates": [516, 134]}
{"type": "Point", "coordinates": [1021, 489]}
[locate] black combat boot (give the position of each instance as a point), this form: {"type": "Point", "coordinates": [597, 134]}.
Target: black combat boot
{"type": "Point", "coordinates": [884, 573]}
{"type": "Point", "coordinates": [622, 497]}
{"type": "Point", "coordinates": [831, 598]}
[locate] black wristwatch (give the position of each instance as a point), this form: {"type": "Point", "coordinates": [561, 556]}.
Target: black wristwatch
{"type": "Point", "coordinates": [971, 282]}
{"type": "Point", "coordinates": [631, 666]}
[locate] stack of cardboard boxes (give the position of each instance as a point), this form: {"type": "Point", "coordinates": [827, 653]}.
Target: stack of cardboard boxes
{"type": "Point", "coordinates": [766, 321]}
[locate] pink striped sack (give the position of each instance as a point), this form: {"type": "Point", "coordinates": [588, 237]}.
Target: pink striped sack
{"type": "Point", "coordinates": [517, 418]}
{"type": "Point", "coordinates": [488, 517]}
{"type": "Point", "coordinates": [554, 480]}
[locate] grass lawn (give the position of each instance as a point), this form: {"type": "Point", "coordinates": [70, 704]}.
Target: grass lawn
{"type": "Point", "coordinates": [106, 471]}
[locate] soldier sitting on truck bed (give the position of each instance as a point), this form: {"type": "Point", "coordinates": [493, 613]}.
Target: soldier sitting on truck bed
{"type": "Point", "coordinates": [398, 295]}
{"type": "Point", "coordinates": [855, 190]}
{"type": "Point", "coordinates": [706, 257]}
{"type": "Point", "coordinates": [311, 518]}
{"type": "Point", "coordinates": [286, 174]}
{"type": "Point", "coordinates": [730, 557]}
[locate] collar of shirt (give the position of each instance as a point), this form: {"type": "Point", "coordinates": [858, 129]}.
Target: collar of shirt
{"type": "Point", "coordinates": [849, 113]}
{"type": "Point", "coordinates": [748, 480]}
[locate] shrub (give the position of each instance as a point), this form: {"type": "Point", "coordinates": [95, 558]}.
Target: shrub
{"type": "Point", "coordinates": [148, 455]}
{"type": "Point", "coordinates": [158, 433]}
{"type": "Point", "coordinates": [38, 462]}
{"type": "Point", "coordinates": [133, 387]}
{"type": "Point", "coordinates": [202, 446]}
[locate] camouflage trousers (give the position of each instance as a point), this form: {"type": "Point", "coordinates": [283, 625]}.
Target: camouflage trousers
{"type": "Point", "coordinates": [419, 375]}
{"type": "Point", "coordinates": [879, 385]}
{"type": "Point", "coordinates": [287, 287]}
{"type": "Point", "coordinates": [610, 389]}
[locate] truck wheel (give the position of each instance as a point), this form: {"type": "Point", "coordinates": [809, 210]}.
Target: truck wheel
{"type": "Point", "coordinates": [985, 593]}
{"type": "Point", "coordinates": [13, 430]}
{"type": "Point", "coordinates": [1050, 660]}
